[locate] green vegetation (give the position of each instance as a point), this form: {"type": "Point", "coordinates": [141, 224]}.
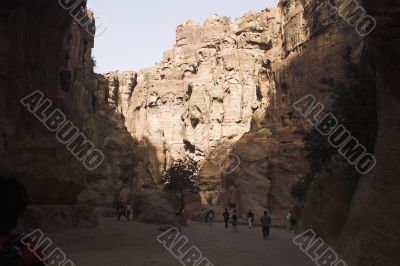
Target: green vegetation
{"type": "Point", "coordinates": [227, 19]}
{"type": "Point", "coordinates": [94, 62]}
{"type": "Point", "coordinates": [300, 189]}
{"type": "Point", "coordinates": [183, 174]}
{"type": "Point", "coordinates": [355, 108]}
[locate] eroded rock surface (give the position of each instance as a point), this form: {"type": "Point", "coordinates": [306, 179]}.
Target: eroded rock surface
{"type": "Point", "coordinates": [43, 48]}
{"type": "Point", "coordinates": [225, 78]}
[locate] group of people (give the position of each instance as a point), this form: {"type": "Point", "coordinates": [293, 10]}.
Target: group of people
{"type": "Point", "coordinates": [290, 221]}
{"type": "Point", "coordinates": [233, 217]}
{"type": "Point", "coordinates": [207, 216]}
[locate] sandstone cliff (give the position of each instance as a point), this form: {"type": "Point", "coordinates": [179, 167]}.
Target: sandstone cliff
{"type": "Point", "coordinates": [225, 87]}
{"type": "Point", "coordinates": [362, 222]}
{"type": "Point", "coordinates": [225, 78]}
{"type": "Point", "coordinates": [52, 53]}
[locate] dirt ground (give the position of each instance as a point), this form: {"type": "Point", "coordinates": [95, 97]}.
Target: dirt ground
{"type": "Point", "coordinates": [135, 244]}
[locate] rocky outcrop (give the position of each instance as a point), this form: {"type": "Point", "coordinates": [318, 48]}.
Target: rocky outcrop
{"type": "Point", "coordinates": [270, 163]}
{"type": "Point", "coordinates": [204, 91]}
{"type": "Point", "coordinates": [52, 53]}
{"type": "Point", "coordinates": [309, 47]}
{"type": "Point", "coordinates": [154, 207]}
{"type": "Point", "coordinates": [225, 78]}
{"type": "Point", "coordinates": [57, 61]}
{"type": "Point", "coordinates": [366, 231]}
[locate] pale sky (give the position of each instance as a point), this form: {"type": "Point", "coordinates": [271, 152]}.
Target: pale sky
{"type": "Point", "coordinates": [138, 32]}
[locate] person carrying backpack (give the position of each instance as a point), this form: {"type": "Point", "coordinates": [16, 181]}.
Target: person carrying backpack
{"type": "Point", "coordinates": [13, 203]}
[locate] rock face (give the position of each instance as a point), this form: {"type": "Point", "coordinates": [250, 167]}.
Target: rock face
{"type": "Point", "coordinates": [364, 227]}
{"type": "Point", "coordinates": [154, 207]}
{"type": "Point", "coordinates": [225, 89]}
{"type": "Point", "coordinates": [58, 63]}
{"type": "Point", "coordinates": [270, 163]}
{"type": "Point", "coordinates": [225, 78]}
{"type": "Point", "coordinates": [52, 53]}
{"type": "Point", "coordinates": [205, 90]}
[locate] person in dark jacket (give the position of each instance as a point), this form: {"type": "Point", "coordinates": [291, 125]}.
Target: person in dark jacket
{"type": "Point", "coordinates": [13, 203]}
{"type": "Point", "coordinates": [226, 218]}
{"type": "Point", "coordinates": [265, 221]}
{"type": "Point", "coordinates": [234, 221]}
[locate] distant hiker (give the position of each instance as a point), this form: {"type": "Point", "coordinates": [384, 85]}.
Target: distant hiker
{"type": "Point", "coordinates": [293, 222]}
{"type": "Point", "coordinates": [13, 202]}
{"type": "Point", "coordinates": [226, 218]}
{"type": "Point", "coordinates": [180, 211]}
{"type": "Point", "coordinates": [234, 221]}
{"type": "Point", "coordinates": [128, 211]}
{"type": "Point", "coordinates": [202, 215]}
{"type": "Point", "coordinates": [250, 218]}
{"type": "Point", "coordinates": [265, 221]}
{"type": "Point", "coordinates": [120, 209]}
{"type": "Point", "coordinates": [211, 216]}
{"type": "Point", "coordinates": [288, 221]}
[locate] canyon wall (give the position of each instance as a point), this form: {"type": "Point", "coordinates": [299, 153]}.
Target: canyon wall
{"type": "Point", "coordinates": [362, 222]}
{"type": "Point", "coordinates": [226, 78]}
{"type": "Point", "coordinates": [314, 44]}
{"type": "Point", "coordinates": [52, 53]}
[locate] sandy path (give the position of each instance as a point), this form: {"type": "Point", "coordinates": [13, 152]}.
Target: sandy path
{"type": "Point", "coordinates": [134, 244]}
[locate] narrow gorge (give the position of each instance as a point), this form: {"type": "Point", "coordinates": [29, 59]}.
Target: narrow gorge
{"type": "Point", "coordinates": [225, 91]}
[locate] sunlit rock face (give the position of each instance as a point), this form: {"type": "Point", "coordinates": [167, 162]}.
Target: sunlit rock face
{"type": "Point", "coordinates": [225, 78]}
{"type": "Point", "coordinates": [205, 90]}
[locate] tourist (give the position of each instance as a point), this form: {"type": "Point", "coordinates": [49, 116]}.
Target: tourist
{"type": "Point", "coordinates": [234, 221]}
{"type": "Point", "coordinates": [250, 218]}
{"type": "Point", "coordinates": [120, 210]}
{"type": "Point", "coordinates": [128, 211]}
{"type": "Point", "coordinates": [205, 216]}
{"type": "Point", "coordinates": [202, 214]}
{"type": "Point", "coordinates": [13, 202]}
{"type": "Point", "coordinates": [226, 218]}
{"type": "Point", "coordinates": [293, 222]}
{"type": "Point", "coordinates": [180, 211]}
{"type": "Point", "coordinates": [265, 221]}
{"type": "Point", "coordinates": [211, 216]}
{"type": "Point", "coordinates": [288, 221]}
